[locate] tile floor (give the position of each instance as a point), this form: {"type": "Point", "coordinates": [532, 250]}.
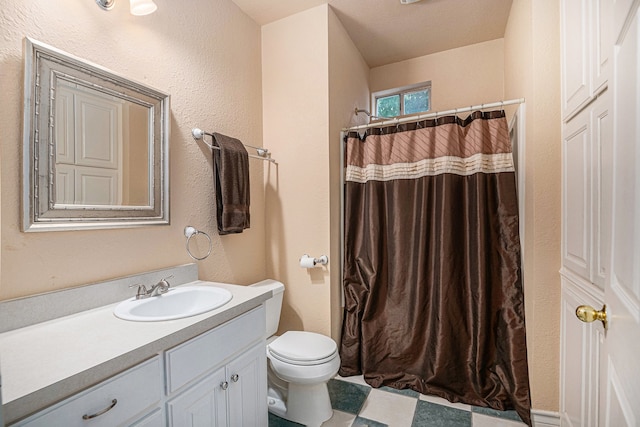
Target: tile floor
{"type": "Point", "coordinates": [356, 404]}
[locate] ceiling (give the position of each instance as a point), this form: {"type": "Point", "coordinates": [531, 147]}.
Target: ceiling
{"type": "Point", "coordinates": [385, 31]}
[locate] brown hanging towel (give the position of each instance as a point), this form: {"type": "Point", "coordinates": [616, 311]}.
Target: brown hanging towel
{"type": "Point", "coordinates": [231, 177]}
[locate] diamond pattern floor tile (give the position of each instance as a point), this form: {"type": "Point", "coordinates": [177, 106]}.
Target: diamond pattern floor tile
{"type": "Point", "coordinates": [356, 404]}
{"type": "Point", "coordinates": [432, 415]}
{"type": "Point", "coordinates": [346, 396]}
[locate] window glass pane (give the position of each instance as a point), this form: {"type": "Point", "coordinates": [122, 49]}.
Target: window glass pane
{"type": "Point", "coordinates": [389, 106]}
{"type": "Point", "coordinates": [416, 102]}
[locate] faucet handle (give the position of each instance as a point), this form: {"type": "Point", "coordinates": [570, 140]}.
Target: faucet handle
{"type": "Point", "coordinates": [163, 285]}
{"type": "Point", "coordinates": [165, 281]}
{"type": "Point", "coordinates": [142, 290]}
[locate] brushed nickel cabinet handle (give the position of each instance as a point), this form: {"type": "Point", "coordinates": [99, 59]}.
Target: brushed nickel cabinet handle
{"type": "Point", "coordinates": [104, 411]}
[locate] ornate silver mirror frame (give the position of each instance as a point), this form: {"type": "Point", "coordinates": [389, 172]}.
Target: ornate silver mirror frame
{"type": "Point", "coordinates": [133, 187]}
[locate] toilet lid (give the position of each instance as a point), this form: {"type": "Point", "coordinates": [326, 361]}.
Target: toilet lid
{"type": "Point", "coordinates": [300, 347]}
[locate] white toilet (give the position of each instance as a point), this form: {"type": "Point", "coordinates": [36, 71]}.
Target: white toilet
{"type": "Point", "coordinates": [299, 366]}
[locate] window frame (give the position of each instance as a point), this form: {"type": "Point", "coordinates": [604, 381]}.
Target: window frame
{"type": "Point", "coordinates": [402, 91]}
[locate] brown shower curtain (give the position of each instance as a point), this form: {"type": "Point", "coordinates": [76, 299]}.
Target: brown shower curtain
{"type": "Point", "coordinates": [432, 278]}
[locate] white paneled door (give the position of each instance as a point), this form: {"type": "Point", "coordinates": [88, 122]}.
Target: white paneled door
{"type": "Point", "coordinates": [620, 385]}
{"type": "Point", "coordinates": [600, 359]}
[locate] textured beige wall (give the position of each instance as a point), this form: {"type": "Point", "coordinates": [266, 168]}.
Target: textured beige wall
{"type": "Point", "coordinates": [465, 76]}
{"type": "Point", "coordinates": [348, 89]}
{"type": "Point", "coordinates": [313, 77]}
{"type": "Point", "coordinates": [532, 71]}
{"type": "Point", "coordinates": [296, 128]}
{"type": "Point", "coordinates": [206, 54]}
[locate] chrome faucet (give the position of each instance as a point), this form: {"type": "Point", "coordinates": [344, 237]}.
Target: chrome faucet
{"type": "Point", "coordinates": [158, 289]}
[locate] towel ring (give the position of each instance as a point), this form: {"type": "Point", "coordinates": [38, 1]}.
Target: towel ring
{"type": "Point", "coordinates": [189, 232]}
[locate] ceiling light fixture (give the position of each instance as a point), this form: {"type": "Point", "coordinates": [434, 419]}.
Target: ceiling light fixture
{"type": "Point", "coordinates": [409, 1]}
{"type": "Point", "coordinates": [142, 7]}
{"type": "Point", "coordinates": [136, 7]}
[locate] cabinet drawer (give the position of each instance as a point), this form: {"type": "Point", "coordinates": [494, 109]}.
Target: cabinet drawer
{"type": "Point", "coordinates": [194, 358]}
{"type": "Point", "coordinates": [136, 390]}
{"type": "Point", "coordinates": [155, 419]}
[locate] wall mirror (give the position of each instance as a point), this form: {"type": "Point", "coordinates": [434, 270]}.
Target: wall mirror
{"type": "Point", "coordinates": [96, 146]}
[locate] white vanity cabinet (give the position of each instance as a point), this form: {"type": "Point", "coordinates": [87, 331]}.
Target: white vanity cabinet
{"type": "Point", "coordinates": [233, 395]}
{"type": "Point", "coordinates": [131, 398]}
{"type": "Point", "coordinates": [219, 378]}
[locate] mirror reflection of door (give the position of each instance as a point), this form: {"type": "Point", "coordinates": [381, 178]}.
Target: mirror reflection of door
{"type": "Point", "coordinates": [88, 148]}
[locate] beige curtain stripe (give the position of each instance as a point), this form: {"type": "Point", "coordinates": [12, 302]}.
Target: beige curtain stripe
{"type": "Point", "coordinates": [479, 163]}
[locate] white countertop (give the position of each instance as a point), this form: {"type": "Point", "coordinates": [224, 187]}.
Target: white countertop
{"type": "Point", "coordinates": [46, 362]}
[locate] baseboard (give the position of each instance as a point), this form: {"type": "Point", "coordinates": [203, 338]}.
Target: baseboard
{"type": "Point", "coordinates": [542, 418]}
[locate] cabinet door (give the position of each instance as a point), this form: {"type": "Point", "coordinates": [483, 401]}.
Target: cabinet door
{"type": "Point", "coordinates": [247, 376]}
{"type": "Point", "coordinates": [576, 196]}
{"type": "Point", "coordinates": [202, 405]}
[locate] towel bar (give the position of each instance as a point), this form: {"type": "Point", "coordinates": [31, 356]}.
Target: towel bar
{"type": "Point", "coordinates": [262, 153]}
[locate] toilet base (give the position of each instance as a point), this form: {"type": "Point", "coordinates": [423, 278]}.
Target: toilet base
{"type": "Point", "coordinates": [307, 404]}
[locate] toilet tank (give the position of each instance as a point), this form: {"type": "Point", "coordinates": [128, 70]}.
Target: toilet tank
{"type": "Point", "coordinates": [273, 305]}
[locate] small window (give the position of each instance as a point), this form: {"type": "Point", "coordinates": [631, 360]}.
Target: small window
{"type": "Point", "coordinates": [402, 101]}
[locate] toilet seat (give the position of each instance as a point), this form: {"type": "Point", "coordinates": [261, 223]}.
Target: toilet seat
{"type": "Point", "coordinates": [303, 348]}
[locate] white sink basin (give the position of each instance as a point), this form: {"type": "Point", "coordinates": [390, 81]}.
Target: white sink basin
{"type": "Point", "coordinates": [177, 303]}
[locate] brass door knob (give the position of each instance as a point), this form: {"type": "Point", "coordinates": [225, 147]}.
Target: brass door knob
{"type": "Point", "coordinates": [588, 314]}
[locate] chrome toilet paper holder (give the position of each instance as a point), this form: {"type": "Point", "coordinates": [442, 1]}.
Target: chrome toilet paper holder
{"type": "Point", "coordinates": [308, 262]}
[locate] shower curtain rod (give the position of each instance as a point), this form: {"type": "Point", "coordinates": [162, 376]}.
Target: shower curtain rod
{"type": "Point", "coordinates": [436, 114]}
